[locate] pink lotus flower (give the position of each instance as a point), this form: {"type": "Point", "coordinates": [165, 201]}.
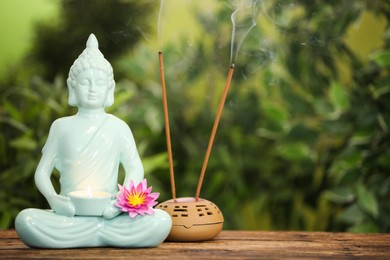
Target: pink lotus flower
{"type": "Point", "coordinates": [136, 200]}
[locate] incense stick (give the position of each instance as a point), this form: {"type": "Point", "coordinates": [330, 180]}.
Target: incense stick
{"type": "Point", "coordinates": [214, 131]}
{"type": "Point", "coordinates": [166, 121]}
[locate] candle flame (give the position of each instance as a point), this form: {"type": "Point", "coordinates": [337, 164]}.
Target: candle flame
{"type": "Point", "coordinates": [89, 192]}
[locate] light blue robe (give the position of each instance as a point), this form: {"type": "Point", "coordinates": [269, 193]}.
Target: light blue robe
{"type": "Point", "coordinates": [94, 166]}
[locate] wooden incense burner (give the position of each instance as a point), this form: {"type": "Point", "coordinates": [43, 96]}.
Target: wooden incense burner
{"type": "Point", "coordinates": [193, 219]}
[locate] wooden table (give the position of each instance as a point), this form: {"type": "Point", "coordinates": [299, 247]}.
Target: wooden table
{"type": "Point", "coordinates": [228, 245]}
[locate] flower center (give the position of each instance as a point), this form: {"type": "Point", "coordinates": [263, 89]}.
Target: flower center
{"type": "Point", "coordinates": [136, 199]}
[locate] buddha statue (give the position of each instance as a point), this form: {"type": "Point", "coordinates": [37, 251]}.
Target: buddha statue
{"type": "Point", "coordinates": [87, 149]}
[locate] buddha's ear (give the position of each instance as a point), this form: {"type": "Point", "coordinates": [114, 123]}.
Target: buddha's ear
{"type": "Point", "coordinates": [72, 97]}
{"type": "Point", "coordinates": [112, 85]}
{"type": "Point", "coordinates": [110, 94]}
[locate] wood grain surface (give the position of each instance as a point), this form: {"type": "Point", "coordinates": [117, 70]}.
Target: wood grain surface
{"type": "Point", "coordinates": [228, 245]}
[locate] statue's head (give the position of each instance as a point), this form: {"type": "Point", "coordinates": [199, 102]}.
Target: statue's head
{"type": "Point", "coordinates": [91, 79]}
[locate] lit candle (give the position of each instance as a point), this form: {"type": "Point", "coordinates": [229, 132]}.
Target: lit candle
{"type": "Point", "coordinates": [89, 202]}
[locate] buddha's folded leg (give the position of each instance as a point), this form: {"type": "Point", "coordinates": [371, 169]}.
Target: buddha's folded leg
{"type": "Point", "coordinates": [141, 231]}
{"type": "Point", "coordinates": [45, 229]}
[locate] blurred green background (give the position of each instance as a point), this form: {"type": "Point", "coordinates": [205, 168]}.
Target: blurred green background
{"type": "Point", "coordinates": [303, 142]}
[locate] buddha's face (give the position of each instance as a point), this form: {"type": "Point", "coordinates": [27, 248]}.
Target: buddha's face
{"type": "Point", "coordinates": [91, 88]}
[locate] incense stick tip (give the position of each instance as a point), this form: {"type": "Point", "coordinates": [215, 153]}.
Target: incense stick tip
{"type": "Point", "coordinates": [232, 66]}
{"type": "Point", "coordinates": [159, 52]}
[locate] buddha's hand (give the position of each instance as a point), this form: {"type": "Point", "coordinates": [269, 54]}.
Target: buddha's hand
{"type": "Point", "coordinates": [111, 211]}
{"type": "Point", "coordinates": [62, 205]}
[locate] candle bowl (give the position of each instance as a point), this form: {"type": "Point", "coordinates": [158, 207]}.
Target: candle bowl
{"type": "Point", "coordinates": [90, 203]}
{"type": "Point", "coordinates": [193, 219]}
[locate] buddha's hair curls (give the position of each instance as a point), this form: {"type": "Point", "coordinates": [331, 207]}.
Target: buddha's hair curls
{"type": "Point", "coordinates": [90, 58]}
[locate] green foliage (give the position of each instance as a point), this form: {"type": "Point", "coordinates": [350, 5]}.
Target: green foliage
{"type": "Point", "coordinates": [299, 143]}
{"type": "Point", "coordinates": [303, 143]}
{"type": "Point", "coordinates": [25, 121]}
{"type": "Point", "coordinates": [118, 25]}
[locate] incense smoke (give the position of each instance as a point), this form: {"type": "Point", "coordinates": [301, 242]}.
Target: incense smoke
{"type": "Point", "coordinates": [243, 20]}
{"type": "Point", "coordinates": [279, 17]}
